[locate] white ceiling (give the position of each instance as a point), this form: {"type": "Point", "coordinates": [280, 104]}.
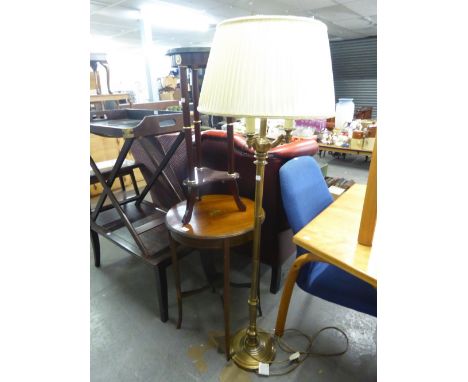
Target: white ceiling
{"type": "Point", "coordinates": [119, 19]}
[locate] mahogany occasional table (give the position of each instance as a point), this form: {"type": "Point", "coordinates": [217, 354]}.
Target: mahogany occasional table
{"type": "Point", "coordinates": [216, 223]}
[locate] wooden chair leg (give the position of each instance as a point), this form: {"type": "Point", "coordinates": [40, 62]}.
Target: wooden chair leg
{"type": "Point", "coordinates": [161, 289]}
{"type": "Point", "coordinates": [287, 291]}
{"type": "Point", "coordinates": [234, 188]}
{"type": "Point", "coordinates": [134, 183]}
{"type": "Point", "coordinates": [96, 248]}
{"type": "Point", "coordinates": [175, 267]}
{"type": "Point", "coordinates": [122, 183]}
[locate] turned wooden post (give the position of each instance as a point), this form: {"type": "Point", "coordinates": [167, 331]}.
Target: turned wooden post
{"type": "Point", "coordinates": [230, 144]}
{"type": "Point", "coordinates": [196, 117]}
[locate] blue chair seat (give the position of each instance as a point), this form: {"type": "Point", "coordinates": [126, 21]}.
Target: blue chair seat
{"type": "Point", "coordinates": [335, 285]}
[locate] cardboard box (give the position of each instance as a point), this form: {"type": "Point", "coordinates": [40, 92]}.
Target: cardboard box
{"type": "Point", "coordinates": [169, 82]}
{"type": "Point", "coordinates": [169, 95]}
{"type": "Point", "coordinates": [356, 144]}
{"type": "Point", "coordinates": [166, 96]}
{"type": "Point", "coordinates": [368, 144]}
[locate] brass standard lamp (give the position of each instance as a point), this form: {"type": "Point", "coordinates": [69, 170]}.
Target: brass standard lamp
{"type": "Point", "coordinates": [266, 67]}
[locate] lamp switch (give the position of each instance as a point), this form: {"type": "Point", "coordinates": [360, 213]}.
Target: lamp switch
{"type": "Point", "coordinates": [263, 368]}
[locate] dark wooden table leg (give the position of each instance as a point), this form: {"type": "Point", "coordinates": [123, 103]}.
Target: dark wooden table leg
{"type": "Point", "coordinates": [175, 267]}
{"type": "Point", "coordinates": [227, 300]}
{"type": "Point", "coordinates": [96, 248]}
{"type": "Point", "coordinates": [161, 289]}
{"type": "Point", "coordinates": [209, 268]}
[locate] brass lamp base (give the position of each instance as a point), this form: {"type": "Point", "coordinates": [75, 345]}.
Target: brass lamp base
{"type": "Point", "coordinates": [247, 357]}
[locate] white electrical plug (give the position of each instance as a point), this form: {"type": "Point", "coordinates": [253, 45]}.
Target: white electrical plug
{"type": "Point", "coordinates": [263, 368]}
{"type": "Point", "coordinates": [295, 356]}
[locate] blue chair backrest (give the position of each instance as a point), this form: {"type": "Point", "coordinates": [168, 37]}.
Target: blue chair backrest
{"type": "Point", "coordinates": [303, 190]}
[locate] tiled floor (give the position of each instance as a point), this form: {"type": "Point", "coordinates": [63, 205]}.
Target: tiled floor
{"type": "Point", "coordinates": [130, 343]}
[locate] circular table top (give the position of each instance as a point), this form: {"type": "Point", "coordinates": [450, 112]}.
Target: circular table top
{"type": "Point", "coordinates": [214, 217]}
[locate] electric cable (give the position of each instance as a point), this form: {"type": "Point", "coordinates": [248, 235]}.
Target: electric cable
{"type": "Point", "coordinates": [303, 354]}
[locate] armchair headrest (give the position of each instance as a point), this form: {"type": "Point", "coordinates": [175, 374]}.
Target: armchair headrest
{"type": "Point", "coordinates": [289, 150]}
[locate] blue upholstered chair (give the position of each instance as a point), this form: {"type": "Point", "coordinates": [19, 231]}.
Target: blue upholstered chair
{"type": "Point", "coordinates": [305, 195]}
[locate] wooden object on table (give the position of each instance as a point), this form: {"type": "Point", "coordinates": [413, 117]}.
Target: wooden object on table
{"type": "Point", "coordinates": [195, 60]}
{"type": "Point", "coordinates": [133, 224]}
{"type": "Point", "coordinates": [100, 99]}
{"type": "Point", "coordinates": [215, 224]}
{"type": "Point", "coordinates": [333, 236]}
{"type": "Point", "coordinates": [94, 60]}
{"type": "Point", "coordinates": [158, 105]}
{"type": "Point", "coordinates": [369, 212]}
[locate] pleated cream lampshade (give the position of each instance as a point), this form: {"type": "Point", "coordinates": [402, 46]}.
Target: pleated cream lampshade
{"type": "Point", "coordinates": [269, 67]}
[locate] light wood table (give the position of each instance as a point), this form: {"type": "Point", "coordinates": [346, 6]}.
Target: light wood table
{"type": "Point", "coordinates": [333, 236]}
{"type": "Point", "coordinates": [344, 150]}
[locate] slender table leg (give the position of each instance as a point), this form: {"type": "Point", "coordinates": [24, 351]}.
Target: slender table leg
{"type": "Point", "coordinates": [161, 290]}
{"type": "Point", "coordinates": [227, 300]}
{"type": "Point", "coordinates": [175, 267]}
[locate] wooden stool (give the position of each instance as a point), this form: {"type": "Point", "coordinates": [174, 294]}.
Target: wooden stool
{"type": "Point", "coordinates": [216, 223]}
{"type": "Point", "coordinates": [195, 59]}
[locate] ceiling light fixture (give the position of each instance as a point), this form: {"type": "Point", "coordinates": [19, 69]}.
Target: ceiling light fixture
{"type": "Point", "coordinates": [169, 16]}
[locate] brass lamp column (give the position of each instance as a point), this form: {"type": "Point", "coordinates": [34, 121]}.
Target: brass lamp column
{"type": "Point", "coordinates": [249, 346]}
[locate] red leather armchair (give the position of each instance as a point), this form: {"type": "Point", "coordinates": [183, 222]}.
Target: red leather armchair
{"type": "Point", "coordinates": [274, 252]}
